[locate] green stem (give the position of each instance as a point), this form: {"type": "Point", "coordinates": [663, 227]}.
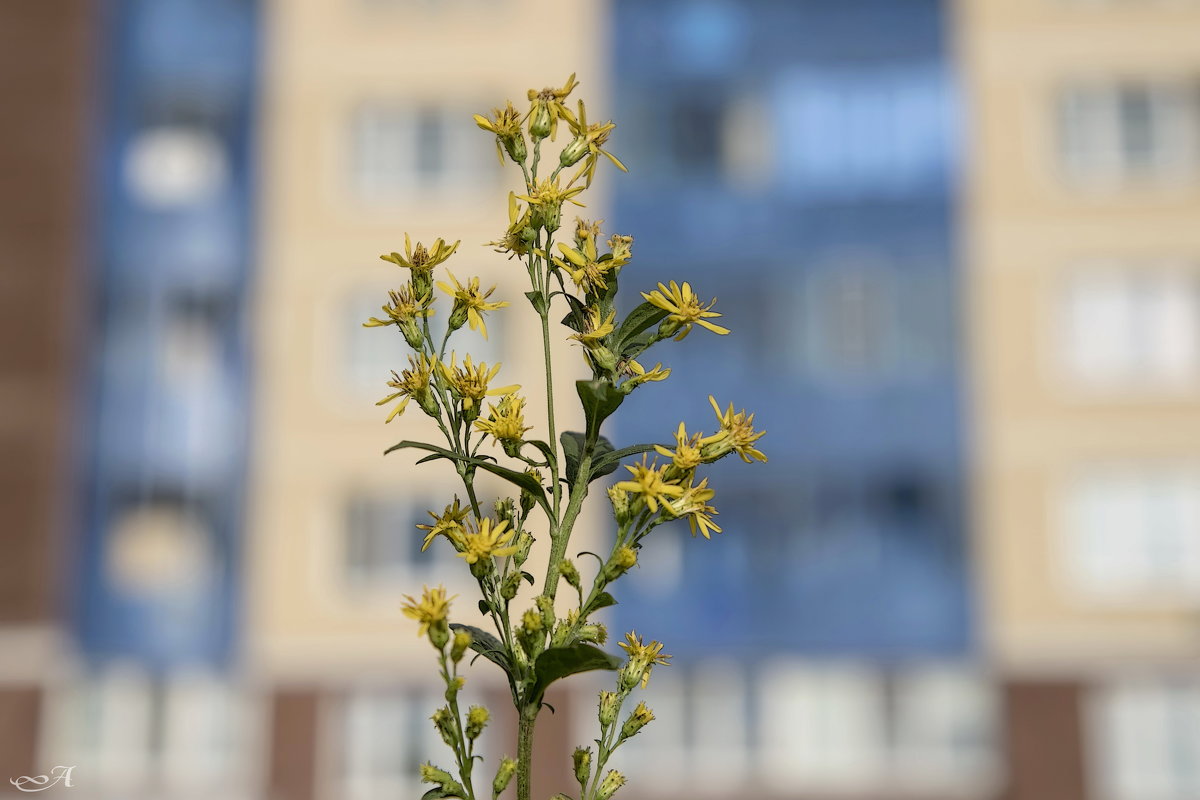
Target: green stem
{"type": "Point", "coordinates": [561, 535]}
{"type": "Point", "coordinates": [525, 727]}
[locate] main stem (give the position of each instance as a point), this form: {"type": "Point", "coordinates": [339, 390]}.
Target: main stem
{"type": "Point", "coordinates": [525, 725]}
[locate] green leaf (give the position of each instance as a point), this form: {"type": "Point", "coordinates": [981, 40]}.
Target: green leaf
{"type": "Point", "coordinates": [528, 577]}
{"type": "Point", "coordinates": [612, 460]}
{"type": "Point", "coordinates": [538, 301]}
{"type": "Point", "coordinates": [573, 443]}
{"type": "Point", "coordinates": [559, 662]}
{"type": "Point", "coordinates": [486, 645]}
{"type": "Point", "coordinates": [600, 399]}
{"type": "Point", "coordinates": [642, 318]}
{"type": "Point", "coordinates": [484, 608]}
{"type": "Point", "coordinates": [577, 315]}
{"type": "Point", "coordinates": [545, 449]}
{"type": "Point", "coordinates": [603, 600]}
{"type": "Point", "coordinates": [519, 479]}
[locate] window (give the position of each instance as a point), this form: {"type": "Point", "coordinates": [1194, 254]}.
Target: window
{"type": "Point", "coordinates": [383, 545]}
{"type": "Point", "coordinates": [1147, 740]}
{"type": "Point", "coordinates": [187, 736]}
{"type": "Point", "coordinates": [385, 736]}
{"type": "Point", "coordinates": [849, 132]}
{"type": "Point", "coordinates": [1129, 533]}
{"type": "Point", "coordinates": [848, 322]}
{"type": "Point", "coordinates": [945, 728]}
{"type": "Point", "coordinates": [400, 151]}
{"type": "Point", "coordinates": [1132, 329]}
{"type": "Point", "coordinates": [1130, 131]}
{"type": "Point", "coordinates": [824, 726]}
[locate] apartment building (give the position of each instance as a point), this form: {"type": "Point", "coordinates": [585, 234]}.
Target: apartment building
{"type": "Point", "coordinates": [1083, 247]}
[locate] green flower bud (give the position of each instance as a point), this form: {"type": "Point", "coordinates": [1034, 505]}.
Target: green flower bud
{"type": "Point", "coordinates": [572, 153]}
{"type": "Point", "coordinates": [539, 126]}
{"type": "Point", "coordinates": [511, 585]}
{"type": "Point", "coordinates": [458, 316]}
{"type": "Point", "coordinates": [444, 722]}
{"type": "Point", "coordinates": [453, 688]}
{"type": "Point", "coordinates": [432, 774]}
{"type": "Point", "coordinates": [582, 759]}
{"type": "Point", "coordinates": [546, 606]}
{"type": "Point", "coordinates": [569, 572]}
{"type": "Point", "coordinates": [524, 544]}
{"type": "Point", "coordinates": [439, 634]}
{"type": "Point", "coordinates": [412, 333]}
{"type": "Point", "coordinates": [610, 704]}
{"type": "Point", "coordinates": [639, 718]}
{"type": "Point", "coordinates": [604, 359]}
{"type": "Point", "coordinates": [477, 720]}
{"type": "Point", "coordinates": [620, 563]}
{"type": "Point", "coordinates": [462, 640]}
{"type": "Point", "coordinates": [608, 787]}
{"type": "Point", "coordinates": [620, 504]}
{"type": "Point", "coordinates": [515, 147]}
{"type": "Point", "coordinates": [422, 282]}
{"type": "Point", "coordinates": [504, 775]}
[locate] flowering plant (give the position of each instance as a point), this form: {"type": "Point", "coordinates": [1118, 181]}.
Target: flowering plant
{"type": "Point", "coordinates": [535, 647]}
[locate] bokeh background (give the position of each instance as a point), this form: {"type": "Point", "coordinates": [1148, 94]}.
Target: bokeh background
{"type": "Point", "coordinates": [958, 242]}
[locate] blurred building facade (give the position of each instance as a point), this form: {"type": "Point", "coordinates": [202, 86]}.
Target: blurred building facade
{"type": "Point", "coordinates": [798, 162]}
{"type": "Point", "coordinates": [1084, 254]}
{"type": "Point", "coordinates": [218, 612]}
{"type": "Point", "coordinates": [368, 134]}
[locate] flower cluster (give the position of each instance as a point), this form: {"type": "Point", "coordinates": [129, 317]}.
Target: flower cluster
{"type": "Point", "coordinates": [573, 270]}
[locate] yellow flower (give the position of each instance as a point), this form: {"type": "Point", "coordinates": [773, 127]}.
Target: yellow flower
{"type": "Point", "coordinates": [449, 524]}
{"type": "Point", "coordinates": [403, 311]}
{"type": "Point", "coordinates": [585, 266]}
{"type": "Point", "coordinates": [421, 261]}
{"type": "Point", "coordinates": [643, 657]}
{"type": "Point", "coordinates": [594, 330]}
{"type": "Point", "coordinates": [546, 200]}
{"type": "Point", "coordinates": [589, 141]}
{"type": "Point", "coordinates": [693, 504]}
{"type": "Point", "coordinates": [470, 381]}
{"type": "Point", "coordinates": [469, 302]}
{"type": "Point", "coordinates": [506, 420]}
{"type": "Point", "coordinates": [404, 306]}
{"type": "Point", "coordinates": [736, 435]}
{"type": "Point", "coordinates": [489, 539]}
{"type": "Point", "coordinates": [420, 258]}
{"type": "Point", "coordinates": [412, 383]}
{"type": "Point", "coordinates": [507, 127]}
{"type": "Point", "coordinates": [433, 608]}
{"type": "Point", "coordinates": [685, 310]}
{"type": "Point", "coordinates": [648, 481]}
{"type": "Point", "coordinates": [687, 450]}
{"type": "Point", "coordinates": [637, 375]}
{"type": "Point", "coordinates": [547, 107]}
{"type": "Point", "coordinates": [520, 233]}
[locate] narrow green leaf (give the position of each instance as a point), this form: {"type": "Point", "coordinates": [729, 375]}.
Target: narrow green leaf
{"type": "Point", "coordinates": [572, 445]}
{"type": "Point", "coordinates": [528, 577]}
{"type": "Point", "coordinates": [486, 645]}
{"type": "Point", "coordinates": [484, 608]}
{"type": "Point", "coordinates": [559, 662]}
{"type": "Point", "coordinates": [612, 460]}
{"type": "Point", "coordinates": [519, 479]}
{"type": "Point", "coordinates": [642, 318]}
{"type": "Point", "coordinates": [545, 449]}
{"type": "Point", "coordinates": [577, 315]}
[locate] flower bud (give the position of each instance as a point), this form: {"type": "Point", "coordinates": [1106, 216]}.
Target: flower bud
{"type": "Point", "coordinates": [582, 759]}
{"type": "Point", "coordinates": [428, 403]}
{"type": "Point", "coordinates": [422, 283]}
{"type": "Point", "coordinates": [546, 606]}
{"type": "Point", "coordinates": [593, 632]}
{"type": "Point", "coordinates": [439, 634]}
{"type": "Point", "coordinates": [504, 775]}
{"type": "Point", "coordinates": [462, 641]}
{"type": "Point", "coordinates": [620, 504]}
{"type": "Point", "coordinates": [639, 718]}
{"type": "Point", "coordinates": [620, 563]}
{"type": "Point", "coordinates": [412, 332]}
{"type": "Point", "coordinates": [610, 704]}
{"type": "Point", "coordinates": [511, 585]}
{"type": "Point", "coordinates": [458, 316]}
{"type": "Point", "coordinates": [453, 687]}
{"type": "Point", "coordinates": [432, 774]}
{"type": "Point", "coordinates": [668, 328]}
{"type": "Point", "coordinates": [576, 150]}
{"type": "Point", "coordinates": [569, 572]}
{"type": "Point", "coordinates": [477, 720]}
{"type": "Point", "coordinates": [604, 359]}
{"type": "Point", "coordinates": [515, 147]}
{"type": "Point", "coordinates": [524, 544]}
{"type": "Point", "coordinates": [608, 787]}
{"type": "Point", "coordinates": [539, 126]}
{"type": "Point", "coordinates": [444, 722]}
